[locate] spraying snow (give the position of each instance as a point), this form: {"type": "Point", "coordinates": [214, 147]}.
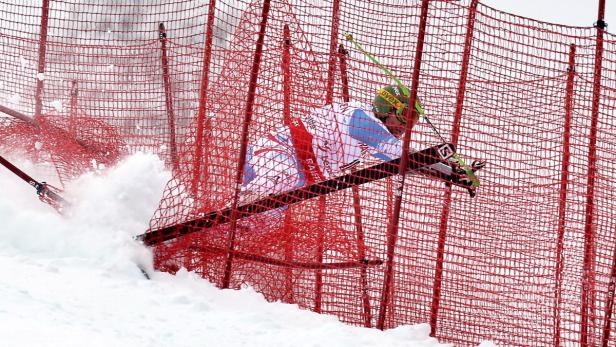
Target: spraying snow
{"type": "Point", "coordinates": [72, 281]}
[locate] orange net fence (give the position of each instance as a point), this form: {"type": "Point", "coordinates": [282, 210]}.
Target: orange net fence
{"type": "Point", "coordinates": [241, 98]}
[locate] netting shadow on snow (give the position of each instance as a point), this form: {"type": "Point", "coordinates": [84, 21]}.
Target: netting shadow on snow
{"type": "Point", "coordinates": [529, 261]}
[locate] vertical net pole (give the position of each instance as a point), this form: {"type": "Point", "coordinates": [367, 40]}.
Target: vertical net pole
{"type": "Point", "coordinates": [286, 110]}
{"type": "Point", "coordinates": [442, 237]}
{"type": "Point", "coordinates": [342, 53]}
{"type": "Point", "coordinates": [562, 203]}
{"type": "Point", "coordinates": [73, 111]}
{"type": "Point", "coordinates": [609, 303]}
{"type": "Point", "coordinates": [333, 42]}
{"type": "Point", "coordinates": [289, 296]}
{"type": "Point", "coordinates": [252, 88]}
{"type": "Point", "coordinates": [392, 230]}
{"type": "Point", "coordinates": [361, 246]}
{"type": "Point", "coordinates": [286, 74]}
{"type": "Point", "coordinates": [207, 57]}
{"type": "Point", "coordinates": [318, 286]}
{"type": "Point", "coordinates": [38, 108]}
{"type": "Point", "coordinates": [588, 277]}
{"type": "Point", "coordinates": [162, 36]}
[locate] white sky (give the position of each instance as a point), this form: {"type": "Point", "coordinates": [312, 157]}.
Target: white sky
{"type": "Point", "coordinates": [568, 12]}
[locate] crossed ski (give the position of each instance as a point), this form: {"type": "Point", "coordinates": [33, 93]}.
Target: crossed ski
{"type": "Point", "coordinates": [417, 161]}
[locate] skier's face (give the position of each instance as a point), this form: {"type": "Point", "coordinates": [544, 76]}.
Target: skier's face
{"type": "Point", "coordinates": [394, 125]}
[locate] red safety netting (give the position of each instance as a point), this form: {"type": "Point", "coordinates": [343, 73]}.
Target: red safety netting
{"type": "Point", "coordinates": [529, 261]}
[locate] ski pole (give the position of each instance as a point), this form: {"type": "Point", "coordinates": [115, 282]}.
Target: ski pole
{"type": "Point", "coordinates": [418, 105]}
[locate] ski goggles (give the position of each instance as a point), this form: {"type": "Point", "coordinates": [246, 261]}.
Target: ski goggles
{"type": "Point", "coordinates": [399, 105]}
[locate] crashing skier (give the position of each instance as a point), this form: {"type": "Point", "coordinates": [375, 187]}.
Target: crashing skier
{"type": "Point", "coordinates": [335, 149]}
{"type": "Point", "coordinates": [343, 137]}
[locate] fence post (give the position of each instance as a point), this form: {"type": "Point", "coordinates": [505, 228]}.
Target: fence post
{"type": "Point", "coordinates": [333, 41]}
{"type": "Point", "coordinates": [442, 236]}
{"type": "Point", "coordinates": [361, 245]}
{"type": "Point", "coordinates": [72, 121]}
{"type": "Point", "coordinates": [609, 303]}
{"type": "Point", "coordinates": [38, 97]}
{"type": "Point", "coordinates": [207, 57]}
{"type": "Point", "coordinates": [252, 87]}
{"type": "Point", "coordinates": [562, 203]}
{"type": "Point", "coordinates": [162, 36]}
{"type": "Point", "coordinates": [392, 230]}
{"type": "Point", "coordinates": [286, 110]}
{"type": "Point", "coordinates": [588, 277]}
{"type": "Point", "coordinates": [342, 53]}
{"type": "Point", "coordinates": [333, 45]}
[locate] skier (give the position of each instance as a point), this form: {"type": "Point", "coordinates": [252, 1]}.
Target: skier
{"type": "Point", "coordinates": [330, 142]}
{"type": "Point", "coordinates": [344, 137]}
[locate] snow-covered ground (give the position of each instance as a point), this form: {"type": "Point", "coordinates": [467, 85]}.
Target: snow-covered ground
{"type": "Point", "coordinates": [73, 280]}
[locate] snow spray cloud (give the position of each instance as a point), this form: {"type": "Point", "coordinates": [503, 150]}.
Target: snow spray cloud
{"type": "Point", "coordinates": [108, 208]}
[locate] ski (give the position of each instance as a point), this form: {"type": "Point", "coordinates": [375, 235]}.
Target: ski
{"type": "Point", "coordinates": [417, 160]}
{"type": "Point", "coordinates": [44, 191]}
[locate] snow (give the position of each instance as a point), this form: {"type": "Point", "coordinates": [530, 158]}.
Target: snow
{"type": "Point", "coordinates": [14, 99]}
{"type": "Point", "coordinates": [58, 106]}
{"type": "Point", "coordinates": [23, 62]}
{"type": "Point", "coordinates": [73, 281]}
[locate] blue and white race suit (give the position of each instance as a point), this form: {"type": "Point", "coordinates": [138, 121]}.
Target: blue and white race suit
{"type": "Point", "coordinates": [345, 136]}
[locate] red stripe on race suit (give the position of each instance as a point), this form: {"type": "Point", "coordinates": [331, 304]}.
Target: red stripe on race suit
{"type": "Point", "coordinates": [302, 141]}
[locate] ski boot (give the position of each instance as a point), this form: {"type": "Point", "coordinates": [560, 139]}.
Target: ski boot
{"type": "Point", "coordinates": [459, 177]}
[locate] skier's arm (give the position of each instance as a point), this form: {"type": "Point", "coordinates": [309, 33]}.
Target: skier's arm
{"type": "Point", "coordinates": [370, 131]}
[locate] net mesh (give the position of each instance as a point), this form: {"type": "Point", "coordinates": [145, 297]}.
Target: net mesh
{"type": "Point", "coordinates": [529, 261]}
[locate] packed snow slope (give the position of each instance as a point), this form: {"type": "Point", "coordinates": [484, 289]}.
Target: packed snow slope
{"type": "Point", "coordinates": [73, 281]}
